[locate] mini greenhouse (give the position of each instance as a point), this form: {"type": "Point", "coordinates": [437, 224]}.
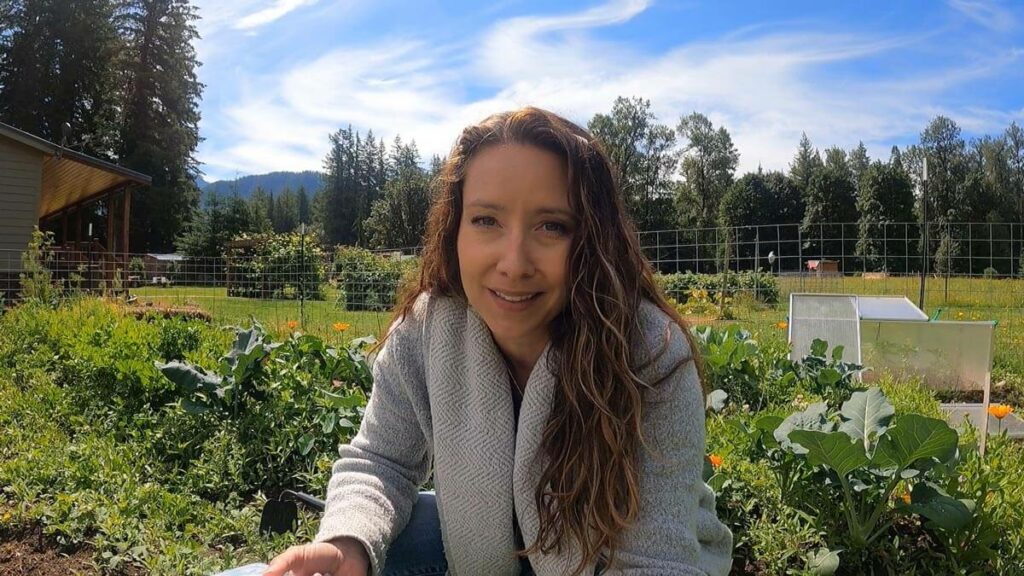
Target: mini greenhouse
{"type": "Point", "coordinates": [890, 335]}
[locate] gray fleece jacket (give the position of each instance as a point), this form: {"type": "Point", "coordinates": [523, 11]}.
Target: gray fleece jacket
{"type": "Point", "coordinates": [441, 396]}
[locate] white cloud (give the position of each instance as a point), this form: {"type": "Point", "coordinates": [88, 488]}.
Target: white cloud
{"type": "Point", "coordinates": [986, 13]}
{"type": "Point", "coordinates": [764, 85]}
{"type": "Point", "coordinates": [270, 13]}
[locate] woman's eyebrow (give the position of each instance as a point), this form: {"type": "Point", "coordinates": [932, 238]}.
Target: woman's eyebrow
{"type": "Point", "coordinates": [545, 210]}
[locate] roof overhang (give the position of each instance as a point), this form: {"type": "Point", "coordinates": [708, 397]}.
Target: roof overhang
{"type": "Point", "coordinates": [71, 178]}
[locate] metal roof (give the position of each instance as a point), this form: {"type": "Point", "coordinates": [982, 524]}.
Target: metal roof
{"type": "Point", "coordinates": [70, 177]}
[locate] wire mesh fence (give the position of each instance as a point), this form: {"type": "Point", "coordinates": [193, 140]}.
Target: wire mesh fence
{"type": "Point", "coordinates": [951, 270]}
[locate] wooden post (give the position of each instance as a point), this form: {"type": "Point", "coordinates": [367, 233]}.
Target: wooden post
{"type": "Point", "coordinates": [64, 227]}
{"type": "Point", "coordinates": [126, 210]}
{"type": "Point", "coordinates": [111, 244]}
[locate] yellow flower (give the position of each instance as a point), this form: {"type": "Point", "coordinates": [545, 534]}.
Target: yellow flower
{"type": "Point", "coordinates": [341, 326]}
{"type": "Point", "coordinates": [782, 325]}
{"type": "Point", "coordinates": [292, 324]}
{"type": "Point", "coordinates": [1000, 411]}
{"type": "Point", "coordinates": [715, 459]}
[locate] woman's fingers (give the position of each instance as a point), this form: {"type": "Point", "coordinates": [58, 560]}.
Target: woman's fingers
{"type": "Point", "coordinates": [307, 560]}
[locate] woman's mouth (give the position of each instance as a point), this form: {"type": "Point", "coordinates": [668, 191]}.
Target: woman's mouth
{"type": "Point", "coordinates": [513, 300]}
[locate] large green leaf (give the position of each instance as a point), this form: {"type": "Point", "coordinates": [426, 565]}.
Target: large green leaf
{"type": "Point", "coordinates": [916, 440]}
{"type": "Point", "coordinates": [813, 418]}
{"type": "Point", "coordinates": [866, 416]}
{"type": "Point", "coordinates": [942, 510]}
{"type": "Point", "coordinates": [823, 562]}
{"type": "Point", "coordinates": [766, 426]}
{"type": "Point", "coordinates": [189, 378]}
{"type": "Point", "coordinates": [832, 449]}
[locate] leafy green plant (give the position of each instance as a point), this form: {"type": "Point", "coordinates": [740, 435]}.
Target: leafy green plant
{"type": "Point", "coordinates": [825, 374]}
{"type": "Point", "coordinates": [867, 455]}
{"type": "Point", "coordinates": [37, 283]}
{"type": "Point", "coordinates": [369, 281]}
{"type": "Point", "coordinates": [277, 266]}
{"type": "Point", "coordinates": [236, 382]}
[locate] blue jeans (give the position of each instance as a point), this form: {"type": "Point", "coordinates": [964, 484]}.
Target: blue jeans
{"type": "Point", "coordinates": [418, 550]}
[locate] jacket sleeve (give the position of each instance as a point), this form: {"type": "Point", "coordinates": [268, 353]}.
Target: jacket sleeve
{"type": "Point", "coordinates": [678, 532]}
{"type": "Point", "coordinates": [376, 480]}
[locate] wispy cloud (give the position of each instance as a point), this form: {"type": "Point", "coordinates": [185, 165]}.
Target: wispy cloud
{"type": "Point", "coordinates": [989, 14]}
{"type": "Point", "coordinates": [270, 13]}
{"type": "Point", "coordinates": [765, 84]}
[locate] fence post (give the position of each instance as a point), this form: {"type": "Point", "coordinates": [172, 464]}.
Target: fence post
{"type": "Point", "coordinates": [302, 275]}
{"type": "Point", "coordinates": [800, 255]}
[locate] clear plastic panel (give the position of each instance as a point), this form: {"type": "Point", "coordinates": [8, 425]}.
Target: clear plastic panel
{"type": "Point", "coordinates": [889, 308]}
{"type": "Point", "coordinates": [829, 317]}
{"type": "Point", "coordinates": [946, 355]}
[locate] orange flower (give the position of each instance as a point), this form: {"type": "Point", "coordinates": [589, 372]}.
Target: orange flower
{"type": "Point", "coordinates": [1000, 411]}
{"type": "Point", "coordinates": [292, 324]}
{"type": "Point", "coordinates": [341, 326]}
{"type": "Point", "coordinates": [906, 497]}
{"type": "Point", "coordinates": [715, 459]}
{"type": "Point", "coordinates": [782, 325]}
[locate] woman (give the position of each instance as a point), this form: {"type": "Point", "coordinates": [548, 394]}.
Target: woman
{"type": "Point", "coordinates": [532, 294]}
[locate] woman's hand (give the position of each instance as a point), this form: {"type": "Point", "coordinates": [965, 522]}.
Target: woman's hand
{"type": "Point", "coordinates": [341, 557]}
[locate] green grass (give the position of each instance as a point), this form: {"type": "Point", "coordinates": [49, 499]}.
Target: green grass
{"type": "Point", "coordinates": [314, 317]}
{"type": "Point", "coordinates": [1001, 300]}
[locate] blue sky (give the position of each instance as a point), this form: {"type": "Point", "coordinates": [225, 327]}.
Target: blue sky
{"type": "Point", "coordinates": [281, 75]}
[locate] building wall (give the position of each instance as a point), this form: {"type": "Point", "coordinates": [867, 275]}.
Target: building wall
{"type": "Point", "coordinates": [21, 173]}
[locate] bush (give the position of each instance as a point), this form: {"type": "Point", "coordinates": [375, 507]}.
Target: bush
{"type": "Point", "coordinates": [990, 273]}
{"type": "Point", "coordinates": [760, 285]}
{"type": "Point", "coordinates": [276, 266]}
{"type": "Point", "coordinates": [370, 281]}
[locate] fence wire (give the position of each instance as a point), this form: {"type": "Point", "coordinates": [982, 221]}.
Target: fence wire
{"type": "Point", "coordinates": [951, 270]}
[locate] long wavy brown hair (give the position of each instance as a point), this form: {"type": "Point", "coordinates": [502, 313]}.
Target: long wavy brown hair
{"type": "Point", "coordinates": [590, 489]}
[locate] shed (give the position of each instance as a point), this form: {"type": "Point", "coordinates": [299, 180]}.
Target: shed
{"type": "Point", "coordinates": [823, 267]}
{"type": "Point", "coordinates": [83, 200]}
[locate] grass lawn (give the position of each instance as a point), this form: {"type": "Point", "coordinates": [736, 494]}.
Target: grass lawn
{"type": "Point", "coordinates": [961, 299]}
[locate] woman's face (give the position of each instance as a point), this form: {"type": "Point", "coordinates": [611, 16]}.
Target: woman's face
{"type": "Point", "coordinates": [514, 240]}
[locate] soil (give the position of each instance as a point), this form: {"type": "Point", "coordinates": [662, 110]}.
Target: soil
{"type": "Point", "coordinates": [27, 551]}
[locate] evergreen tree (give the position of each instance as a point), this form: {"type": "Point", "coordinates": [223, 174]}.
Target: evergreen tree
{"type": "Point", "coordinates": [806, 162]}
{"type": "Point", "coordinates": [830, 203]}
{"type": "Point", "coordinates": [885, 197]}
{"type": "Point", "coordinates": [859, 162]}
{"type": "Point", "coordinates": [708, 164]}
{"type": "Point", "coordinates": [260, 210]}
{"type": "Point", "coordinates": [222, 220]}
{"type": "Point", "coordinates": [286, 212]}
{"type": "Point", "coordinates": [835, 158]}
{"type": "Point", "coordinates": [160, 127]}
{"type": "Point", "coordinates": [304, 207]}
{"type": "Point", "coordinates": [59, 63]}
{"type": "Point", "coordinates": [398, 217]}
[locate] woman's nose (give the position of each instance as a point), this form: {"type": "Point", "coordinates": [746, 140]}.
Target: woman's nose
{"type": "Point", "coordinates": [515, 259]}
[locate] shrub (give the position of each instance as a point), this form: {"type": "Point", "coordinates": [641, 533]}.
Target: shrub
{"type": "Point", "coordinates": [761, 285]}
{"type": "Point", "coordinates": [370, 281]}
{"type": "Point", "coordinates": [276, 266]}
{"type": "Point", "coordinates": [990, 273]}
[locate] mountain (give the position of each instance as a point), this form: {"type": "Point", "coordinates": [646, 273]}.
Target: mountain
{"type": "Point", "coordinates": [273, 183]}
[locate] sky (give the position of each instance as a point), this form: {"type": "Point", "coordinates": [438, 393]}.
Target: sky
{"type": "Point", "coordinates": [282, 75]}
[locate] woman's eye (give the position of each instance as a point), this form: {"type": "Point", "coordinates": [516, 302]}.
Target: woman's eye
{"type": "Point", "coordinates": [555, 227]}
{"type": "Point", "coordinates": [483, 221]}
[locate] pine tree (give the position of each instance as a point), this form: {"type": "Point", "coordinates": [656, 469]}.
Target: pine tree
{"type": "Point", "coordinates": [58, 64]}
{"type": "Point", "coordinates": [859, 162]}
{"type": "Point", "coordinates": [885, 197]}
{"type": "Point", "coordinates": [806, 162]}
{"type": "Point", "coordinates": [160, 127]}
{"type": "Point", "coordinates": [398, 217]}
{"type": "Point", "coordinates": [304, 207]}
